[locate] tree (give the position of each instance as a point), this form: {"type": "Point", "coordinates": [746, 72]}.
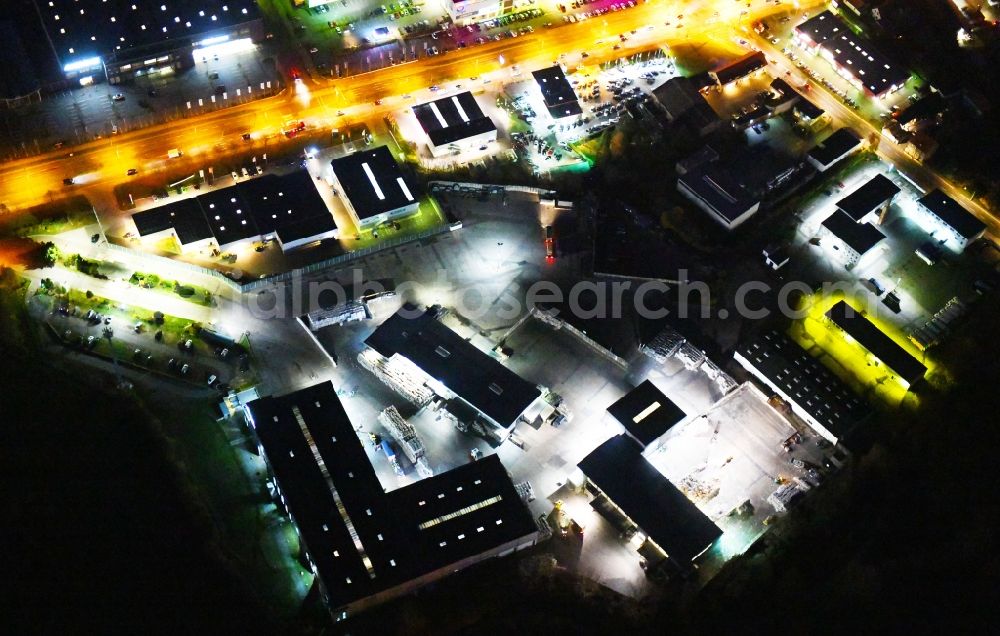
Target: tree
{"type": "Point", "coordinates": [158, 317]}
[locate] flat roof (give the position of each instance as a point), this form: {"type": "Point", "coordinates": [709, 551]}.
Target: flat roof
{"type": "Point", "coordinates": [952, 213]}
{"type": "Point", "coordinates": [646, 413]}
{"type": "Point", "coordinates": [373, 182]}
{"type": "Point", "coordinates": [720, 187]}
{"type": "Point", "coordinates": [560, 98]}
{"type": "Point", "coordinates": [17, 75]}
{"type": "Point", "coordinates": [876, 342]}
{"type": "Point", "coordinates": [228, 215]}
{"type": "Point", "coordinates": [679, 96]}
{"type": "Point", "coordinates": [288, 205]}
{"type": "Point", "coordinates": [852, 53]}
{"type": "Point", "coordinates": [81, 29]}
{"type": "Point", "coordinates": [805, 380]}
{"type": "Point", "coordinates": [477, 378]}
{"type": "Point", "coordinates": [452, 119]}
{"type": "Point", "coordinates": [740, 67]}
{"type": "Point", "coordinates": [841, 142]}
{"type": "Point", "coordinates": [184, 216]}
{"type": "Point", "coordinates": [363, 540]}
{"type": "Point", "coordinates": [861, 237]}
{"type": "Point", "coordinates": [868, 197]}
{"type": "Point", "coordinates": [648, 498]}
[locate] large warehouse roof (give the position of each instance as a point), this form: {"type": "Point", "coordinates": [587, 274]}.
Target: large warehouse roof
{"type": "Point", "coordinates": [740, 67]}
{"type": "Point", "coordinates": [363, 540]}
{"type": "Point", "coordinates": [648, 498]}
{"type": "Point", "coordinates": [93, 28]}
{"type": "Point", "coordinates": [480, 380]}
{"type": "Point", "coordinates": [288, 206]}
{"type": "Point", "coordinates": [560, 98]}
{"type": "Point", "coordinates": [877, 343]}
{"type": "Point", "coordinates": [646, 413]}
{"type": "Point", "coordinates": [952, 213]}
{"type": "Point", "coordinates": [811, 388]}
{"type": "Point", "coordinates": [852, 53]}
{"type": "Point", "coordinates": [372, 182]}
{"type": "Point", "coordinates": [868, 197]}
{"type": "Point", "coordinates": [452, 119]}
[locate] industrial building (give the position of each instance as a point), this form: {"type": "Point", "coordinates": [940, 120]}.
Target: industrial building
{"type": "Point", "coordinates": [682, 102]}
{"type": "Point", "coordinates": [453, 124]}
{"type": "Point", "coordinates": [854, 59]}
{"type": "Point", "coordinates": [557, 93]}
{"type": "Point", "coordinates": [810, 390]}
{"type": "Point", "coordinates": [871, 201]}
{"type": "Point", "coordinates": [617, 470]}
{"type": "Point", "coordinates": [782, 97]}
{"type": "Point", "coordinates": [809, 115]}
{"type": "Point", "coordinates": [839, 145]}
{"type": "Point", "coordinates": [121, 39]}
{"type": "Point", "coordinates": [956, 222]}
{"type": "Point", "coordinates": [880, 346]}
{"type": "Point", "coordinates": [853, 240]}
{"type": "Point", "coordinates": [731, 190]}
{"type": "Point", "coordinates": [287, 209]}
{"type": "Point", "coordinates": [373, 186]}
{"type": "Point", "coordinates": [739, 68]}
{"type": "Point", "coordinates": [365, 545]}
{"type": "Point", "coordinates": [647, 414]}
{"type": "Point", "coordinates": [454, 368]}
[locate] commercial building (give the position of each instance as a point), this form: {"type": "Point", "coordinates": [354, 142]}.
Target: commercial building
{"type": "Point", "coordinates": [880, 346]}
{"type": "Point", "coordinates": [739, 68]}
{"type": "Point", "coordinates": [839, 145]}
{"type": "Point", "coordinates": [647, 414]}
{"type": "Point", "coordinates": [557, 93]}
{"type": "Point", "coordinates": [365, 545]}
{"type": "Point", "coordinates": [810, 390]}
{"type": "Point", "coordinates": [618, 471]}
{"type": "Point", "coordinates": [121, 39]}
{"type": "Point", "coordinates": [682, 102]}
{"type": "Point", "coordinates": [853, 58]}
{"type": "Point", "coordinates": [956, 222]}
{"type": "Point", "coordinates": [287, 209]}
{"type": "Point", "coordinates": [373, 186]}
{"type": "Point", "coordinates": [453, 124]}
{"type": "Point", "coordinates": [454, 368]}
{"type": "Point", "coordinates": [853, 240]}
{"type": "Point", "coordinates": [782, 97]}
{"type": "Point", "coordinates": [871, 201]}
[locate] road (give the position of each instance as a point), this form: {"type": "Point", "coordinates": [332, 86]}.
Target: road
{"type": "Point", "coordinates": [99, 165]}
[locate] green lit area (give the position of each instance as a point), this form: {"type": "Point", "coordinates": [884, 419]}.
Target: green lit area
{"type": "Point", "coordinates": [429, 215]}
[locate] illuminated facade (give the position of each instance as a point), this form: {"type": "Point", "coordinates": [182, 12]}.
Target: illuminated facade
{"type": "Point", "coordinates": [464, 12]}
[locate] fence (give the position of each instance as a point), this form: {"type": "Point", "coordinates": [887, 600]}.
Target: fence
{"type": "Point", "coordinates": [488, 188]}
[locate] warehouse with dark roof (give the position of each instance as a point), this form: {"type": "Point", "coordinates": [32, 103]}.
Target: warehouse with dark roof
{"type": "Point", "coordinates": [454, 123]}
{"type": "Point", "coordinates": [557, 93]}
{"type": "Point", "coordinates": [365, 545]}
{"type": "Point", "coordinates": [646, 413]}
{"type": "Point", "coordinates": [854, 240]}
{"type": "Point", "coordinates": [853, 58]}
{"type": "Point", "coordinates": [739, 68]}
{"type": "Point", "coordinates": [493, 390]}
{"type": "Point", "coordinates": [880, 346]}
{"type": "Point", "coordinates": [809, 388]}
{"type": "Point", "coordinates": [285, 208]}
{"type": "Point", "coordinates": [618, 470]}
{"type": "Point", "coordinates": [871, 201]}
{"type": "Point", "coordinates": [374, 188]}
{"type": "Point", "coordinates": [840, 144]}
{"type": "Point", "coordinates": [957, 223]}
